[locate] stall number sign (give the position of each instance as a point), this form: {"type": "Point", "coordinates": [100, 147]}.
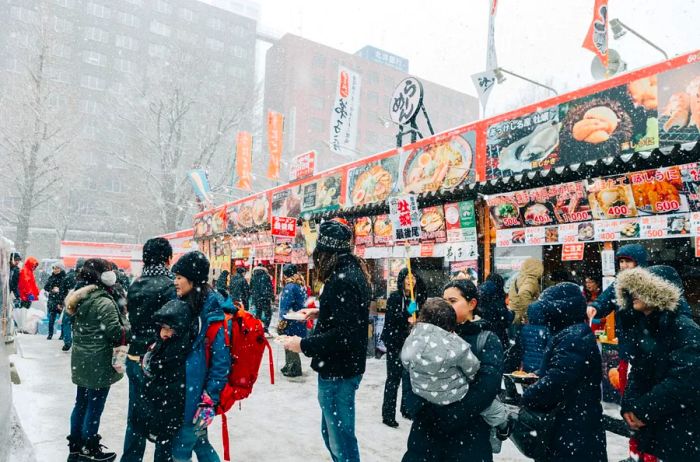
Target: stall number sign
{"type": "Point", "coordinates": [403, 211]}
{"type": "Point", "coordinates": [572, 252]}
{"type": "Point", "coordinates": [284, 226]}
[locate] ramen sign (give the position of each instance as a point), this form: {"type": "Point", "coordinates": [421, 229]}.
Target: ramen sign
{"type": "Point", "coordinates": [406, 101]}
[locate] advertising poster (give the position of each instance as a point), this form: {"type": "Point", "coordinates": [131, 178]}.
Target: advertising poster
{"type": "Point", "coordinates": [283, 250]}
{"type": "Point", "coordinates": [373, 182]}
{"type": "Point", "coordinates": [249, 213]}
{"type": "Point", "coordinates": [405, 217]}
{"type": "Point", "coordinates": [287, 202]}
{"type": "Point", "coordinates": [460, 221]}
{"type": "Point", "coordinates": [691, 185]}
{"type": "Point", "coordinates": [659, 191]}
{"type": "Point", "coordinates": [202, 226]}
{"type": "Point", "coordinates": [310, 233]}
{"type": "Point", "coordinates": [321, 195]}
{"type": "Point", "coordinates": [442, 165]}
{"type": "Point", "coordinates": [432, 224]}
{"type": "Point", "coordinates": [302, 166]}
{"type": "Point", "coordinates": [383, 231]}
{"type": "Point", "coordinates": [679, 104]}
{"type": "Point", "coordinates": [363, 231]}
{"type": "Point", "coordinates": [611, 197]}
{"type": "Point", "coordinates": [465, 270]}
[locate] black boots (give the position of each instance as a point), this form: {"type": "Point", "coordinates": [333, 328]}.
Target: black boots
{"type": "Point", "coordinates": [74, 447]}
{"type": "Point", "coordinates": [390, 423]}
{"type": "Point", "coordinates": [93, 451]}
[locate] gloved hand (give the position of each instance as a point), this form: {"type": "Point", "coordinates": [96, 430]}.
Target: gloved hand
{"type": "Point", "coordinates": [205, 413]}
{"type": "Point", "coordinates": [31, 298]}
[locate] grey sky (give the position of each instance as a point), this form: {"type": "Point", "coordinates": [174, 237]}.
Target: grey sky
{"type": "Point", "coordinates": [445, 41]}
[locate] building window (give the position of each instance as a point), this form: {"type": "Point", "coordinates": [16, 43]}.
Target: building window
{"type": "Point", "coordinates": [215, 23]}
{"type": "Point", "coordinates": [373, 77]}
{"type": "Point", "coordinates": [316, 125]}
{"type": "Point", "coordinates": [56, 75]}
{"type": "Point", "coordinates": [65, 3]}
{"type": "Point", "coordinates": [240, 31]}
{"type": "Point", "coordinates": [318, 60]}
{"type": "Point", "coordinates": [130, 43]}
{"type": "Point", "coordinates": [160, 29]}
{"type": "Point", "coordinates": [24, 14]}
{"type": "Point", "coordinates": [92, 83]}
{"type": "Point", "coordinates": [88, 106]}
{"type": "Point", "coordinates": [187, 37]}
{"type": "Point", "coordinates": [128, 19]}
{"type": "Point", "coordinates": [239, 52]}
{"type": "Point", "coordinates": [98, 10]}
{"type": "Point", "coordinates": [124, 65]}
{"type": "Point", "coordinates": [216, 68]}
{"type": "Point", "coordinates": [114, 185]}
{"type": "Point", "coordinates": [373, 97]}
{"type": "Point", "coordinates": [95, 58]}
{"type": "Point", "coordinates": [163, 7]}
{"type": "Point", "coordinates": [60, 50]}
{"type": "Point", "coordinates": [317, 102]}
{"type": "Point", "coordinates": [62, 25]}
{"type": "Point", "coordinates": [214, 44]}
{"type": "Point", "coordinates": [96, 35]}
{"type": "Point", "coordinates": [157, 51]}
{"type": "Point", "coordinates": [186, 14]}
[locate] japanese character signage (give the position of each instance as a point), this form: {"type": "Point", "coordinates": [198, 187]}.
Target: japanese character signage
{"type": "Point", "coordinates": [484, 83]}
{"type": "Point", "coordinates": [404, 214]}
{"type": "Point", "coordinates": [302, 166]}
{"type": "Point", "coordinates": [572, 252]}
{"type": "Point", "coordinates": [275, 127]}
{"type": "Point", "coordinates": [597, 36]}
{"type": "Point", "coordinates": [406, 101]}
{"type": "Point", "coordinates": [345, 113]}
{"type": "Point", "coordinates": [284, 226]}
{"type": "Point", "coordinates": [244, 161]}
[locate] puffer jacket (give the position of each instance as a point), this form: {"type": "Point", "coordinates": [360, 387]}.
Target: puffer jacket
{"type": "Point", "coordinates": [261, 287]}
{"type": "Point", "coordinates": [149, 292]}
{"type": "Point", "coordinates": [28, 290]}
{"type": "Point", "coordinates": [534, 336]}
{"type": "Point", "coordinates": [493, 309]}
{"type": "Point", "coordinates": [98, 326]}
{"type": "Point", "coordinates": [525, 289]}
{"type": "Point", "coordinates": [569, 382]}
{"type": "Point", "coordinates": [662, 390]}
{"type": "Point", "coordinates": [55, 281]}
{"type": "Point", "coordinates": [292, 299]}
{"type": "Point", "coordinates": [239, 290]}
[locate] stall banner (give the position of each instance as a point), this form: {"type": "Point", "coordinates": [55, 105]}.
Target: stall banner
{"type": "Point", "coordinates": [691, 185]}
{"type": "Point", "coordinates": [432, 224]}
{"type": "Point", "coordinates": [363, 231]}
{"type": "Point", "coordinates": [572, 252]}
{"type": "Point", "coordinates": [679, 112]}
{"type": "Point", "coordinates": [461, 251]}
{"type": "Point", "coordinates": [275, 132]}
{"type": "Point", "coordinates": [372, 182]}
{"type": "Point", "coordinates": [321, 195]}
{"type": "Point", "coordinates": [284, 226]}
{"type": "Point", "coordinates": [250, 212]}
{"type": "Point", "coordinates": [404, 215]}
{"type": "Point", "coordinates": [383, 231]}
{"type": "Point", "coordinates": [200, 185]}
{"type": "Point", "coordinates": [468, 269]}
{"type": "Point", "coordinates": [597, 36]}
{"type": "Point", "coordinates": [439, 164]}
{"type": "Point", "coordinates": [244, 161]}
{"type": "Point", "coordinates": [302, 166]}
{"type": "Point", "coordinates": [345, 113]}
{"type": "Point", "coordinates": [287, 202]}
{"type": "Point", "coordinates": [283, 250]}
{"type": "Point", "coordinates": [460, 221]}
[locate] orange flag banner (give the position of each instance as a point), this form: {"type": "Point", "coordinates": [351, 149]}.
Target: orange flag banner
{"type": "Point", "coordinates": [244, 161]}
{"type": "Point", "coordinates": [275, 130]}
{"type": "Point", "coordinates": [597, 37]}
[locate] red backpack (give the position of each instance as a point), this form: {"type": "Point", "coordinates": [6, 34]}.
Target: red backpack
{"type": "Point", "coordinates": [245, 339]}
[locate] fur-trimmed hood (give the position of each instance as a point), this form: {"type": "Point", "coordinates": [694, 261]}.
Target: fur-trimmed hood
{"type": "Point", "coordinates": [76, 297]}
{"type": "Point", "coordinates": [653, 290]}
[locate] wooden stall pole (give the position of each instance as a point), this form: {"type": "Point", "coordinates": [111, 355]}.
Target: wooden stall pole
{"type": "Point", "coordinates": [485, 225]}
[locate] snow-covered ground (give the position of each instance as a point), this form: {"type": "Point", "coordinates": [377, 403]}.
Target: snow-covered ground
{"type": "Point", "coordinates": [277, 423]}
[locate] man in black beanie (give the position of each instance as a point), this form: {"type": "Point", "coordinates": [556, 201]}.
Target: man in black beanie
{"type": "Point", "coordinates": [149, 292]}
{"type": "Point", "coordinates": [339, 342]}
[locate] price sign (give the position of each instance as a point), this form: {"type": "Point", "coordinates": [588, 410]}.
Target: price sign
{"type": "Point", "coordinates": [504, 238]}
{"type": "Point", "coordinates": [607, 230]}
{"type": "Point", "coordinates": [534, 236]}
{"type": "Point", "coordinates": [426, 249]}
{"type": "Point", "coordinates": [572, 252]}
{"type": "Point", "coordinates": [695, 223]}
{"type": "Point", "coordinates": [568, 234]}
{"type": "Point", "coordinates": [403, 211]}
{"type": "Point", "coordinates": [654, 227]}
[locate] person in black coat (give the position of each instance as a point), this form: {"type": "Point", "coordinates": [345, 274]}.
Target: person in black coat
{"type": "Point", "coordinates": [55, 301]}
{"type": "Point", "coordinates": [457, 432]}
{"type": "Point", "coordinates": [396, 329]}
{"type": "Point", "coordinates": [222, 283]}
{"type": "Point", "coordinates": [262, 294]}
{"type": "Point", "coordinates": [147, 294]}
{"type": "Point", "coordinates": [493, 309]}
{"type": "Point", "coordinates": [70, 282]}
{"type": "Point", "coordinates": [15, 260]}
{"type": "Point", "coordinates": [239, 288]}
{"type": "Point", "coordinates": [569, 384]}
{"type": "Point", "coordinates": [661, 403]}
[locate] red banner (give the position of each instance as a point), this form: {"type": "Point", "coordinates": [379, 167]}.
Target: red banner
{"type": "Point", "coordinates": [244, 161]}
{"type": "Point", "coordinates": [597, 37]}
{"type": "Point", "coordinates": [284, 226]}
{"type": "Point", "coordinates": [275, 130]}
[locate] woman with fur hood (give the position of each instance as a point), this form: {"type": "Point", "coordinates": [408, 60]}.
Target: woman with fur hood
{"type": "Point", "coordinates": [98, 326]}
{"type": "Point", "coordinates": [661, 403]}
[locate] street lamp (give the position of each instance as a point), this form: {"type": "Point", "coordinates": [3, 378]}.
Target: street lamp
{"type": "Point", "coordinates": [619, 29]}
{"type": "Point", "coordinates": [500, 78]}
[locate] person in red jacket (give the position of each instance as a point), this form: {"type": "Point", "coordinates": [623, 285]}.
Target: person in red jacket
{"type": "Point", "coordinates": [28, 290]}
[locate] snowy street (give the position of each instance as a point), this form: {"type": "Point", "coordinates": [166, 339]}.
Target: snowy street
{"type": "Point", "coordinates": [277, 423]}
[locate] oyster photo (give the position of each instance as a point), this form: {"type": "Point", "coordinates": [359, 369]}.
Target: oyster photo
{"type": "Point", "coordinates": [539, 144]}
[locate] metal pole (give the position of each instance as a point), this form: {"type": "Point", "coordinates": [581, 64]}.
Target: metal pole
{"type": "Point", "coordinates": [644, 39]}
{"type": "Point", "coordinates": [529, 80]}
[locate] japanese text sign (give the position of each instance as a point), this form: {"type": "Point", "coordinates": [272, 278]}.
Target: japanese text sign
{"type": "Point", "coordinates": [403, 211]}
{"type": "Point", "coordinates": [406, 101]}
{"type": "Point", "coordinates": [572, 252]}
{"type": "Point", "coordinates": [344, 117]}
{"type": "Point", "coordinates": [302, 166]}
{"type": "Point", "coordinates": [284, 226]}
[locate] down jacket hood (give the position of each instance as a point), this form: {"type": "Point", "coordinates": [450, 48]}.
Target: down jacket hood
{"type": "Point", "coordinates": [531, 267]}
{"type": "Point", "coordinates": [431, 349]}
{"type": "Point", "coordinates": [176, 314]}
{"type": "Point", "coordinates": [634, 252]}
{"type": "Point", "coordinates": [562, 305]}
{"type": "Point", "coordinates": [650, 288]}
{"type": "Point", "coordinates": [75, 298]}
{"type": "Point", "coordinates": [32, 263]}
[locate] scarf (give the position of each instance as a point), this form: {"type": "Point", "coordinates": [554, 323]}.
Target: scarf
{"type": "Point", "coordinates": [156, 270]}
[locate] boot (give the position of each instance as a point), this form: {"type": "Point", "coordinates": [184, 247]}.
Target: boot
{"type": "Point", "coordinates": [74, 446]}
{"type": "Point", "coordinates": [93, 451]}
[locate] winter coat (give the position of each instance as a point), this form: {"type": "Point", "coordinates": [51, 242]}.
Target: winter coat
{"type": "Point", "coordinates": [440, 364]}
{"type": "Point", "coordinates": [534, 336]}
{"type": "Point", "coordinates": [162, 403]}
{"type": "Point", "coordinates": [222, 282]}
{"type": "Point", "coordinates": [396, 326]}
{"type": "Point", "coordinates": [149, 292]}
{"type": "Point", "coordinates": [570, 379]}
{"type": "Point", "coordinates": [292, 299]}
{"type": "Point", "coordinates": [199, 376]}
{"type": "Point", "coordinates": [663, 390]}
{"type": "Point", "coordinates": [493, 309]}
{"type": "Point", "coordinates": [69, 283]}
{"type": "Point", "coordinates": [28, 290]}
{"type": "Point", "coordinates": [98, 326]}
{"type": "Point", "coordinates": [55, 281]}
{"type": "Point", "coordinates": [239, 290]}
{"type": "Point", "coordinates": [457, 432]}
{"type": "Point", "coordinates": [261, 287]}
{"type": "Point", "coordinates": [338, 344]}
{"type": "Point", "coordinates": [525, 289]}
{"type": "Point", "coordinates": [14, 281]}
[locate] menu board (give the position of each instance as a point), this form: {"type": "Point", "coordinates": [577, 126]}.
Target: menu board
{"type": "Point", "coordinates": [254, 211]}
{"type": "Point", "coordinates": [432, 223]}
{"type": "Point", "coordinates": [321, 195]}
{"type": "Point", "coordinates": [287, 202]}
{"type": "Point", "coordinates": [363, 231]}
{"type": "Point", "coordinates": [460, 221]}
{"type": "Point", "coordinates": [659, 191]}
{"type": "Point", "coordinates": [383, 231]}
{"type": "Point", "coordinates": [373, 182]}
{"type": "Point", "coordinates": [283, 250]}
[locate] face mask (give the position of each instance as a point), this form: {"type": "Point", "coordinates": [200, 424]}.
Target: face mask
{"type": "Point", "coordinates": [108, 278]}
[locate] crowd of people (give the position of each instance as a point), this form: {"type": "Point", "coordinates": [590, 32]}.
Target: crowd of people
{"type": "Point", "coordinates": [447, 354]}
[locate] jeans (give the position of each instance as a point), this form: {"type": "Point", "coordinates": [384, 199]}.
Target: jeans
{"type": "Point", "coordinates": [337, 400]}
{"type": "Point", "coordinates": [395, 375]}
{"type": "Point", "coordinates": [53, 314]}
{"type": "Point", "coordinates": [187, 441]}
{"type": "Point", "coordinates": [263, 311]}
{"type": "Point", "coordinates": [66, 329]}
{"type": "Point", "coordinates": [134, 443]}
{"type": "Point", "coordinates": [85, 419]}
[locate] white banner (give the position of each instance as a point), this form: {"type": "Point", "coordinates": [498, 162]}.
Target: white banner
{"type": "Point", "coordinates": [491, 62]}
{"type": "Point", "coordinates": [345, 113]}
{"type": "Point", "coordinates": [484, 83]}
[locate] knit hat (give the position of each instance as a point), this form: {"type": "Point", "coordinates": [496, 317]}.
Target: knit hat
{"type": "Point", "coordinates": [14, 256]}
{"type": "Point", "coordinates": [334, 237]}
{"type": "Point", "coordinates": [194, 266]}
{"type": "Point", "coordinates": [289, 270]}
{"type": "Point", "coordinates": [240, 270]}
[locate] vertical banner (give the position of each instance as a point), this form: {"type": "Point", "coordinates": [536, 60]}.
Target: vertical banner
{"type": "Point", "coordinates": [491, 61]}
{"type": "Point", "coordinates": [275, 129]}
{"type": "Point", "coordinates": [597, 37]}
{"type": "Point", "coordinates": [484, 83]}
{"type": "Point", "coordinates": [200, 184]}
{"type": "Point", "coordinates": [346, 109]}
{"type": "Point", "coordinates": [244, 161]}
